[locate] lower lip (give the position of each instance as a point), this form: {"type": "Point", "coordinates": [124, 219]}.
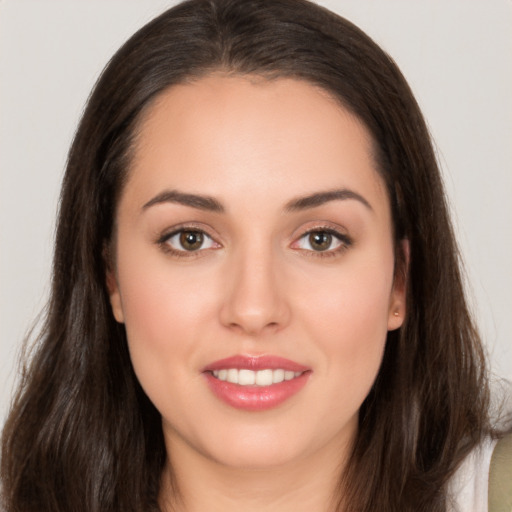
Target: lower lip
{"type": "Point", "coordinates": [256, 398]}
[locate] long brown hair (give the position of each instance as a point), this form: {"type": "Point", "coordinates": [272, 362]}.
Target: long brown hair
{"type": "Point", "coordinates": [83, 436]}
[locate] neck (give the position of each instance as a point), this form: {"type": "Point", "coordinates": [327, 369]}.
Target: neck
{"type": "Point", "coordinates": [305, 485]}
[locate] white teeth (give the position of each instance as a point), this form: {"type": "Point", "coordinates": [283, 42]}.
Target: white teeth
{"type": "Point", "coordinates": [245, 377]}
{"type": "Point", "coordinates": [232, 376]}
{"type": "Point", "coordinates": [264, 378]}
{"type": "Point", "coordinates": [277, 376]}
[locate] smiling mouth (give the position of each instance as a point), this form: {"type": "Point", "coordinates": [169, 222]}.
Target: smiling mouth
{"type": "Point", "coordinates": [255, 383]}
{"type": "Point", "coordinates": [265, 377]}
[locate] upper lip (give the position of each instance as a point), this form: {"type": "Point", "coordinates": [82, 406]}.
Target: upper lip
{"type": "Point", "coordinates": [262, 362]}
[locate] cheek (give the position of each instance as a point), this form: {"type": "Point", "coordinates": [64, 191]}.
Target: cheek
{"type": "Point", "coordinates": [351, 301]}
{"type": "Point", "coordinates": [163, 311]}
{"type": "Point", "coordinates": [348, 316]}
{"type": "Point", "coordinates": [165, 317]}
{"type": "Point", "coordinates": [353, 342]}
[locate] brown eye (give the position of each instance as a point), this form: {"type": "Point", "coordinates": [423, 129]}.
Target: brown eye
{"type": "Point", "coordinates": [320, 240]}
{"type": "Point", "coordinates": [191, 240]}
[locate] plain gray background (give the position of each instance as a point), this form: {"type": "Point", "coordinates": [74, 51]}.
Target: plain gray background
{"type": "Point", "coordinates": [456, 55]}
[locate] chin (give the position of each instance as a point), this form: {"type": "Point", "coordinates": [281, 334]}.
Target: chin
{"type": "Point", "coordinates": [257, 457]}
{"type": "Point", "coordinates": [255, 449]}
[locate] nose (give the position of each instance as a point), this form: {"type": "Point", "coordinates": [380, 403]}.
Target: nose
{"type": "Point", "coordinates": [254, 298]}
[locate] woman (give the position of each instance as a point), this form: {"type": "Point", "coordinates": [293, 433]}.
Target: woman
{"type": "Point", "coordinates": [256, 298]}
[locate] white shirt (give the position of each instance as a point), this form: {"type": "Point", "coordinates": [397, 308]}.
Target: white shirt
{"type": "Point", "coordinates": [469, 486]}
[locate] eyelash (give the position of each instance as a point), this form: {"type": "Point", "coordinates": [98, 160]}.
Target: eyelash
{"type": "Point", "coordinates": [345, 242]}
{"type": "Point", "coordinates": [163, 242]}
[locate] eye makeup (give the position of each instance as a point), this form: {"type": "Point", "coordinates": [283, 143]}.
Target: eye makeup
{"type": "Point", "coordinates": [191, 240]}
{"type": "Point", "coordinates": [187, 241]}
{"type": "Point", "coordinates": [322, 242]}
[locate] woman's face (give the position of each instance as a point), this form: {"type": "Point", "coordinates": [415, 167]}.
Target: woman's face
{"type": "Point", "coordinates": [254, 269]}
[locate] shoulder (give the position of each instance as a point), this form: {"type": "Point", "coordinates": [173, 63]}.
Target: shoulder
{"type": "Point", "coordinates": [485, 476]}
{"type": "Point", "coordinates": [468, 489]}
{"type": "Point", "coordinates": [500, 476]}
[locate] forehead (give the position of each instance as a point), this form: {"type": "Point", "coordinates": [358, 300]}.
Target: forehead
{"type": "Point", "coordinates": [226, 135]}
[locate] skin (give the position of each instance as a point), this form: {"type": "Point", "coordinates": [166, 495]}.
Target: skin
{"type": "Point", "coordinates": [255, 287]}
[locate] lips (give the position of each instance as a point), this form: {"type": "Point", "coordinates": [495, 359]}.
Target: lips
{"type": "Point", "coordinates": [255, 383]}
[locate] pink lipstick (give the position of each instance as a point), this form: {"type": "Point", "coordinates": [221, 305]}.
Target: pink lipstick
{"type": "Point", "coordinates": [255, 383]}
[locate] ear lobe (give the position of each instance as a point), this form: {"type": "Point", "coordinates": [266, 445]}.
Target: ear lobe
{"type": "Point", "coordinates": [397, 303]}
{"type": "Point", "coordinates": [115, 297]}
{"type": "Point", "coordinates": [113, 288]}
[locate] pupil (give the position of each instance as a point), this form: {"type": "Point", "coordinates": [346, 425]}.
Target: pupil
{"type": "Point", "coordinates": [191, 240]}
{"type": "Point", "coordinates": [320, 241]}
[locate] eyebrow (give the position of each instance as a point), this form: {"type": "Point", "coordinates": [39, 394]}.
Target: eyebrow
{"type": "Point", "coordinates": [211, 204]}
{"type": "Point", "coordinates": [320, 198]}
{"type": "Point", "coordinates": [193, 200]}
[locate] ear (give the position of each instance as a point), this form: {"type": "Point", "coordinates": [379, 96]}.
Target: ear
{"type": "Point", "coordinates": [397, 301]}
{"type": "Point", "coordinates": [112, 286]}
